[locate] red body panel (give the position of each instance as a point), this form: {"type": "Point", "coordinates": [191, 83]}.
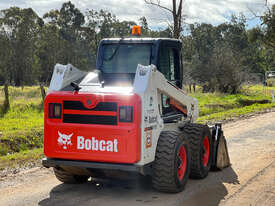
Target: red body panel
{"type": "Point", "coordinates": [118, 143]}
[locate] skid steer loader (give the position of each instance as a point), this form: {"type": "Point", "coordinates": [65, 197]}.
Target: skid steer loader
{"type": "Point", "coordinates": [127, 117]}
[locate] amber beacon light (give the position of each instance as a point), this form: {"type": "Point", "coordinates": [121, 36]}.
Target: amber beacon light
{"type": "Point", "coordinates": [136, 30]}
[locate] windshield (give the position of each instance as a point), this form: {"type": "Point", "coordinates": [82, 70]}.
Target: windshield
{"type": "Point", "coordinates": [124, 58]}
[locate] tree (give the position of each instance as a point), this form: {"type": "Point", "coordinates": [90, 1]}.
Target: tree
{"type": "Point", "coordinates": [268, 21]}
{"type": "Point", "coordinates": [68, 30]}
{"type": "Point", "coordinates": [176, 12]}
{"type": "Point", "coordinates": [145, 31]}
{"type": "Point", "coordinates": [5, 57]}
{"type": "Point", "coordinates": [264, 37]}
{"type": "Point", "coordinates": [226, 70]}
{"type": "Point", "coordinates": [21, 27]}
{"type": "Point", "coordinates": [218, 57]}
{"type": "Point", "coordinates": [49, 51]}
{"type": "Point", "coordinates": [265, 33]}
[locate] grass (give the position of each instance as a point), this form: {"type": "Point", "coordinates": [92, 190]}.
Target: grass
{"type": "Point", "coordinates": [218, 107]}
{"type": "Point", "coordinates": [236, 112]}
{"type": "Point", "coordinates": [22, 126]}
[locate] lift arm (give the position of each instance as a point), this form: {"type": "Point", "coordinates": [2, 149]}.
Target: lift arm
{"type": "Point", "coordinates": [149, 79]}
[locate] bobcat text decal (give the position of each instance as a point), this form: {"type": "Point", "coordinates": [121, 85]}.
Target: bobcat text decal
{"type": "Point", "coordinates": [97, 145]}
{"type": "Point", "coordinates": [64, 140]}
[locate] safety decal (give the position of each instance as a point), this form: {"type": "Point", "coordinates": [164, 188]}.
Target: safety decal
{"type": "Point", "coordinates": [148, 137]}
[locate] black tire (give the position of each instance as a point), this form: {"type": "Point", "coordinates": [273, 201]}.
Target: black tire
{"type": "Point", "coordinates": [196, 134]}
{"type": "Point", "coordinates": [68, 178]}
{"type": "Point", "coordinates": [165, 167]}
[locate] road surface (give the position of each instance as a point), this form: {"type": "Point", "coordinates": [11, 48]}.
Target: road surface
{"type": "Point", "coordinates": [249, 181]}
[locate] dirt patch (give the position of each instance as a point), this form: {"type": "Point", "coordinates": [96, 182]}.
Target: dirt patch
{"type": "Point", "coordinates": [10, 171]}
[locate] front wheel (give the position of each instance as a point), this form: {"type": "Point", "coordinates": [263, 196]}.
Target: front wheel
{"type": "Point", "coordinates": [171, 167]}
{"type": "Point", "coordinates": [201, 146]}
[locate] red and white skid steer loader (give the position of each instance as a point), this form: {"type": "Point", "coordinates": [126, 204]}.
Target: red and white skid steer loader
{"type": "Point", "coordinates": [127, 117]}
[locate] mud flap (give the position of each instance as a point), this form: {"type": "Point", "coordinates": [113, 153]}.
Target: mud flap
{"type": "Point", "coordinates": [220, 151]}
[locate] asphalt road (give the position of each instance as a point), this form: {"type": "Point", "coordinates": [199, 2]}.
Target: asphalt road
{"type": "Point", "coordinates": [249, 181]}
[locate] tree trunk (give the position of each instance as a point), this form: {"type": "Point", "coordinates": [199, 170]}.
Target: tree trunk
{"type": "Point", "coordinates": [43, 93]}
{"type": "Point", "coordinates": [175, 19]}
{"type": "Point", "coordinates": [176, 12]}
{"type": "Point", "coordinates": [6, 102]}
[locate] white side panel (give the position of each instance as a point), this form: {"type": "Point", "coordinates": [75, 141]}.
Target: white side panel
{"type": "Point", "coordinates": [151, 122]}
{"type": "Point", "coordinates": [149, 84]}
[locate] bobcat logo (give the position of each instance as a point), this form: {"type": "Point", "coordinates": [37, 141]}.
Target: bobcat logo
{"type": "Point", "coordinates": [64, 140]}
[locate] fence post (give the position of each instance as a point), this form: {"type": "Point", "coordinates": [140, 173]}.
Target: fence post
{"type": "Point", "coordinates": [43, 93]}
{"type": "Point", "coordinates": [7, 101]}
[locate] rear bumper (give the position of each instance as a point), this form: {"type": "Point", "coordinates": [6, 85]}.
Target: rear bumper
{"type": "Point", "coordinates": [49, 162]}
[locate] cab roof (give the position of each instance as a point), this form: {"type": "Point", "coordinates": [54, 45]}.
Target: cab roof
{"type": "Point", "coordinates": [140, 40]}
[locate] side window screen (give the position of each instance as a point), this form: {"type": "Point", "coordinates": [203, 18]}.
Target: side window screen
{"type": "Point", "coordinates": [172, 64]}
{"type": "Point", "coordinates": [167, 63]}
{"type": "Point", "coordinates": [164, 62]}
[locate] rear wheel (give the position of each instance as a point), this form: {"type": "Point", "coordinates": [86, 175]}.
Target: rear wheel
{"type": "Point", "coordinates": [68, 178]}
{"type": "Point", "coordinates": [201, 149]}
{"type": "Point", "coordinates": [172, 162]}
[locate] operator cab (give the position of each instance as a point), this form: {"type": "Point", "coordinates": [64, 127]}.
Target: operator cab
{"type": "Point", "coordinates": [117, 59]}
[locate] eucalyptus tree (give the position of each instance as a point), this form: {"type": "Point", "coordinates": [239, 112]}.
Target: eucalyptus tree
{"type": "Point", "coordinates": [22, 27]}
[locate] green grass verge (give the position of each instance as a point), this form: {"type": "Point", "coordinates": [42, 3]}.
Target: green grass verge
{"type": "Point", "coordinates": [217, 107]}
{"type": "Point", "coordinates": [21, 127]}
{"type": "Point", "coordinates": [210, 103]}
{"type": "Point", "coordinates": [236, 112]}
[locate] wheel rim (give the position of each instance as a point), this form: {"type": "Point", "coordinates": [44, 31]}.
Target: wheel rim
{"type": "Point", "coordinates": [182, 161]}
{"type": "Point", "coordinates": [206, 152]}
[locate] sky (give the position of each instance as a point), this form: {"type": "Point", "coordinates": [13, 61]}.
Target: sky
{"type": "Point", "coordinates": [208, 11]}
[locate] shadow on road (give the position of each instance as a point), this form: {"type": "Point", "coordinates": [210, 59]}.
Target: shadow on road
{"type": "Point", "coordinates": [212, 190]}
{"type": "Point", "coordinates": [209, 191]}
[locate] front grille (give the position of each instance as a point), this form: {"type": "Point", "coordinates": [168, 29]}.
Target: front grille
{"type": "Point", "coordinates": [89, 119]}
{"type": "Point", "coordinates": [73, 106]}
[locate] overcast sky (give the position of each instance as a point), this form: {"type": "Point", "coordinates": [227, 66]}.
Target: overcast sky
{"type": "Point", "coordinates": [210, 11]}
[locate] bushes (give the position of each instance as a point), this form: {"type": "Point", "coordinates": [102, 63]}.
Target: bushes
{"type": "Point", "coordinates": [223, 72]}
{"type": "Point", "coordinates": [3, 149]}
